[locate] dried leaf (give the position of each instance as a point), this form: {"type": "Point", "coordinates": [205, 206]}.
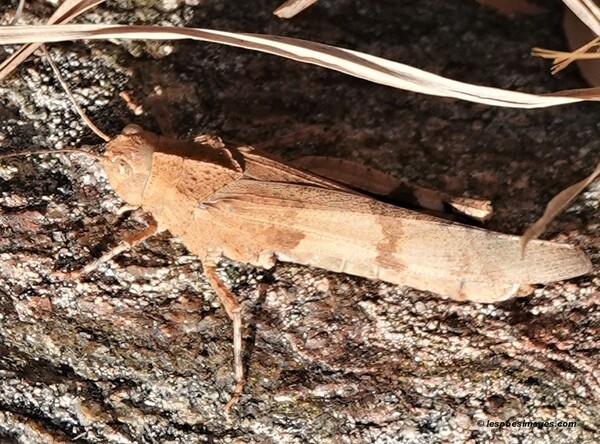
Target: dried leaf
{"type": "Point", "coordinates": [354, 63]}
{"type": "Point", "coordinates": [555, 206]}
{"type": "Point", "coordinates": [293, 7]}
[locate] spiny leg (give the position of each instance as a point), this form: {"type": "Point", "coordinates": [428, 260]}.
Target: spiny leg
{"type": "Point", "coordinates": [125, 245]}
{"type": "Point", "coordinates": [234, 311]}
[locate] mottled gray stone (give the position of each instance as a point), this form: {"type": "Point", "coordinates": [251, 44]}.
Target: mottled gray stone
{"type": "Point", "coordinates": [140, 351]}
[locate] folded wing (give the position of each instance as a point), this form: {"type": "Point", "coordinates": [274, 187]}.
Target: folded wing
{"type": "Point", "coordinates": [345, 232]}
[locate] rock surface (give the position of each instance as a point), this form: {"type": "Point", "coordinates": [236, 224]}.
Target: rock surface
{"type": "Point", "coordinates": [140, 350]}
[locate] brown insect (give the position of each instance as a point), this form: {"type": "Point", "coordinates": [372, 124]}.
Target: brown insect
{"type": "Point", "coordinates": [228, 201]}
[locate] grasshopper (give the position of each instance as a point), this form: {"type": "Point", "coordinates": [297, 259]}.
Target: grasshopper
{"type": "Point", "coordinates": [224, 200]}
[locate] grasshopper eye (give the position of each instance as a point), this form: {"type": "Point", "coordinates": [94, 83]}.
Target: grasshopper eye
{"type": "Point", "coordinates": [123, 166]}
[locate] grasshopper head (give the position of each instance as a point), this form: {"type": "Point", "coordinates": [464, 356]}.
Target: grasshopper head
{"type": "Point", "coordinates": [128, 163]}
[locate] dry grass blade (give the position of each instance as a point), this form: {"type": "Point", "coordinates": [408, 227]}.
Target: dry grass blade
{"type": "Point", "coordinates": [293, 7]}
{"type": "Point", "coordinates": [589, 13]}
{"type": "Point", "coordinates": [555, 206]}
{"type": "Point", "coordinates": [562, 59]}
{"type": "Point", "coordinates": [66, 12]}
{"type": "Point", "coordinates": [354, 63]}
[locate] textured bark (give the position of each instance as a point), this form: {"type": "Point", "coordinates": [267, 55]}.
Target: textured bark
{"type": "Point", "coordinates": [140, 351]}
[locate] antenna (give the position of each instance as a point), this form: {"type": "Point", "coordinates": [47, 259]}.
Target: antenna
{"type": "Point", "coordinates": [78, 108]}
{"type": "Point", "coordinates": [70, 150]}
{"type": "Point", "coordinates": [62, 82]}
{"type": "Point", "coordinates": [18, 13]}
